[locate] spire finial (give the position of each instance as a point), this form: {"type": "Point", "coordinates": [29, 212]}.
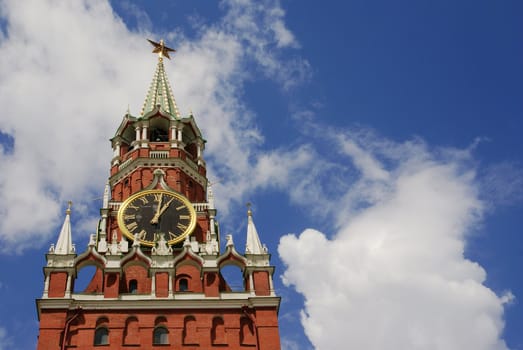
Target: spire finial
{"type": "Point", "coordinates": [161, 49]}
{"type": "Point", "coordinates": [249, 211]}
{"type": "Point", "coordinates": [69, 205]}
{"type": "Point", "coordinates": [160, 94]}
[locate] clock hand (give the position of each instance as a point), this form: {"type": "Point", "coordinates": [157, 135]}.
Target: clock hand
{"type": "Point", "coordinates": [164, 208]}
{"type": "Point", "coordinates": [156, 216]}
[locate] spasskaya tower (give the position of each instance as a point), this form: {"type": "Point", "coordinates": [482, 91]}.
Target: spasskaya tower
{"type": "Point", "coordinates": [157, 264]}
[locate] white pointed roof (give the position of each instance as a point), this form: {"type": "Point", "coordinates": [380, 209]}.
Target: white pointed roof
{"type": "Point", "coordinates": [64, 245]}
{"type": "Point", "coordinates": [253, 245]}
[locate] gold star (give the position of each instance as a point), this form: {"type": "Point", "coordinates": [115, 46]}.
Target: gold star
{"type": "Point", "coordinates": [161, 49]}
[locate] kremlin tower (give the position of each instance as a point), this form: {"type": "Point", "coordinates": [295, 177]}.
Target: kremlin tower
{"type": "Point", "coordinates": [156, 253]}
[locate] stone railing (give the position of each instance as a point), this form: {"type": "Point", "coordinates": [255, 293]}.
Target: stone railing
{"type": "Point", "coordinates": [159, 154]}
{"type": "Point", "coordinates": [115, 205]}
{"type": "Point", "coordinates": [200, 206]}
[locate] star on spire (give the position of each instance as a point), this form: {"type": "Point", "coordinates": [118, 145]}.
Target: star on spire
{"type": "Point", "coordinates": [161, 49]}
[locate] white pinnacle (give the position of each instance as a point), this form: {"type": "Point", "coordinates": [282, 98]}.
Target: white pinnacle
{"type": "Point", "coordinates": [105, 204]}
{"type": "Point", "coordinates": [64, 245]}
{"type": "Point", "coordinates": [253, 245]}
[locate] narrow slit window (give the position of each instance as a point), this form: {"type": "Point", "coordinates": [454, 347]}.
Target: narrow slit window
{"type": "Point", "coordinates": [133, 286]}
{"type": "Point", "coordinates": [183, 285]}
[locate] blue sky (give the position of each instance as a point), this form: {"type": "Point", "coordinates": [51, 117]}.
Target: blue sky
{"type": "Point", "coordinates": [378, 141]}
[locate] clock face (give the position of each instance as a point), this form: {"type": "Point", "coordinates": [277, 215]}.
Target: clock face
{"type": "Point", "coordinates": [151, 212]}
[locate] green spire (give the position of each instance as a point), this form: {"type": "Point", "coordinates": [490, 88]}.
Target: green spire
{"type": "Point", "coordinates": [160, 92]}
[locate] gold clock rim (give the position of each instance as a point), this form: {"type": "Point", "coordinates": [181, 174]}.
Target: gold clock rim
{"type": "Point", "coordinates": [182, 198]}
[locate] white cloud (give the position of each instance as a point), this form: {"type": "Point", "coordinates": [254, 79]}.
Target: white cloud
{"type": "Point", "coordinates": [68, 71]}
{"type": "Point", "coordinates": [5, 342]}
{"type": "Point", "coordinates": [395, 276]}
{"type": "Point", "coordinates": [503, 183]}
{"type": "Point", "coordinates": [288, 344]}
{"type": "Point", "coordinates": [60, 91]}
{"type": "Point", "coordinates": [364, 161]}
{"type": "Point", "coordinates": [260, 26]}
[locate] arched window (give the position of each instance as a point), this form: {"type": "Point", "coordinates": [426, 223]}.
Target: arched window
{"type": "Point", "coordinates": [190, 336]}
{"type": "Point", "coordinates": [101, 336]}
{"type": "Point", "coordinates": [84, 279]}
{"type": "Point", "coordinates": [131, 333]}
{"type": "Point", "coordinates": [232, 277]}
{"type": "Point", "coordinates": [247, 336]}
{"type": "Point", "coordinates": [133, 286]}
{"type": "Point", "coordinates": [218, 335]}
{"type": "Point", "coordinates": [183, 285]}
{"type": "Point", "coordinates": [160, 336]}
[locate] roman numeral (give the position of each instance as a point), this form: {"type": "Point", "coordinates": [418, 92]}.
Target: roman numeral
{"type": "Point", "coordinates": [132, 226]}
{"type": "Point", "coordinates": [132, 206]}
{"type": "Point", "coordinates": [144, 200]}
{"type": "Point", "coordinates": [142, 234]}
{"type": "Point", "coordinates": [185, 217]}
{"type": "Point", "coordinates": [129, 217]}
{"type": "Point", "coordinates": [181, 226]}
{"type": "Point", "coordinates": [172, 235]}
{"type": "Point", "coordinates": [180, 207]}
{"type": "Point", "coordinates": [157, 197]}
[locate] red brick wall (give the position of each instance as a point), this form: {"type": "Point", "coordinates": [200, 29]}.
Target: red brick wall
{"type": "Point", "coordinates": [192, 274]}
{"type": "Point", "coordinates": [162, 284]}
{"type": "Point", "coordinates": [138, 273]}
{"type": "Point", "coordinates": [111, 285]}
{"type": "Point", "coordinates": [261, 283]}
{"type": "Point", "coordinates": [211, 284]}
{"type": "Point", "coordinates": [57, 284]}
{"type": "Point", "coordinates": [224, 324]}
{"type": "Point", "coordinates": [52, 324]}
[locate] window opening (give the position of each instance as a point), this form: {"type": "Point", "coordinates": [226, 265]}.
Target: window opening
{"type": "Point", "coordinates": [183, 285]}
{"type": "Point", "coordinates": [133, 286]}
{"type": "Point", "coordinates": [233, 277]}
{"type": "Point", "coordinates": [101, 336]}
{"type": "Point", "coordinates": [160, 336]}
{"type": "Point", "coordinates": [159, 135]}
{"type": "Point", "coordinates": [84, 277]}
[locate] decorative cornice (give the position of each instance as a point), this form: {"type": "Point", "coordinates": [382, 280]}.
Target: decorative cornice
{"type": "Point", "coordinates": [188, 254]}
{"type": "Point", "coordinates": [224, 301]}
{"type": "Point", "coordinates": [231, 256]}
{"type": "Point", "coordinates": [90, 255]}
{"type": "Point", "coordinates": [136, 256]}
